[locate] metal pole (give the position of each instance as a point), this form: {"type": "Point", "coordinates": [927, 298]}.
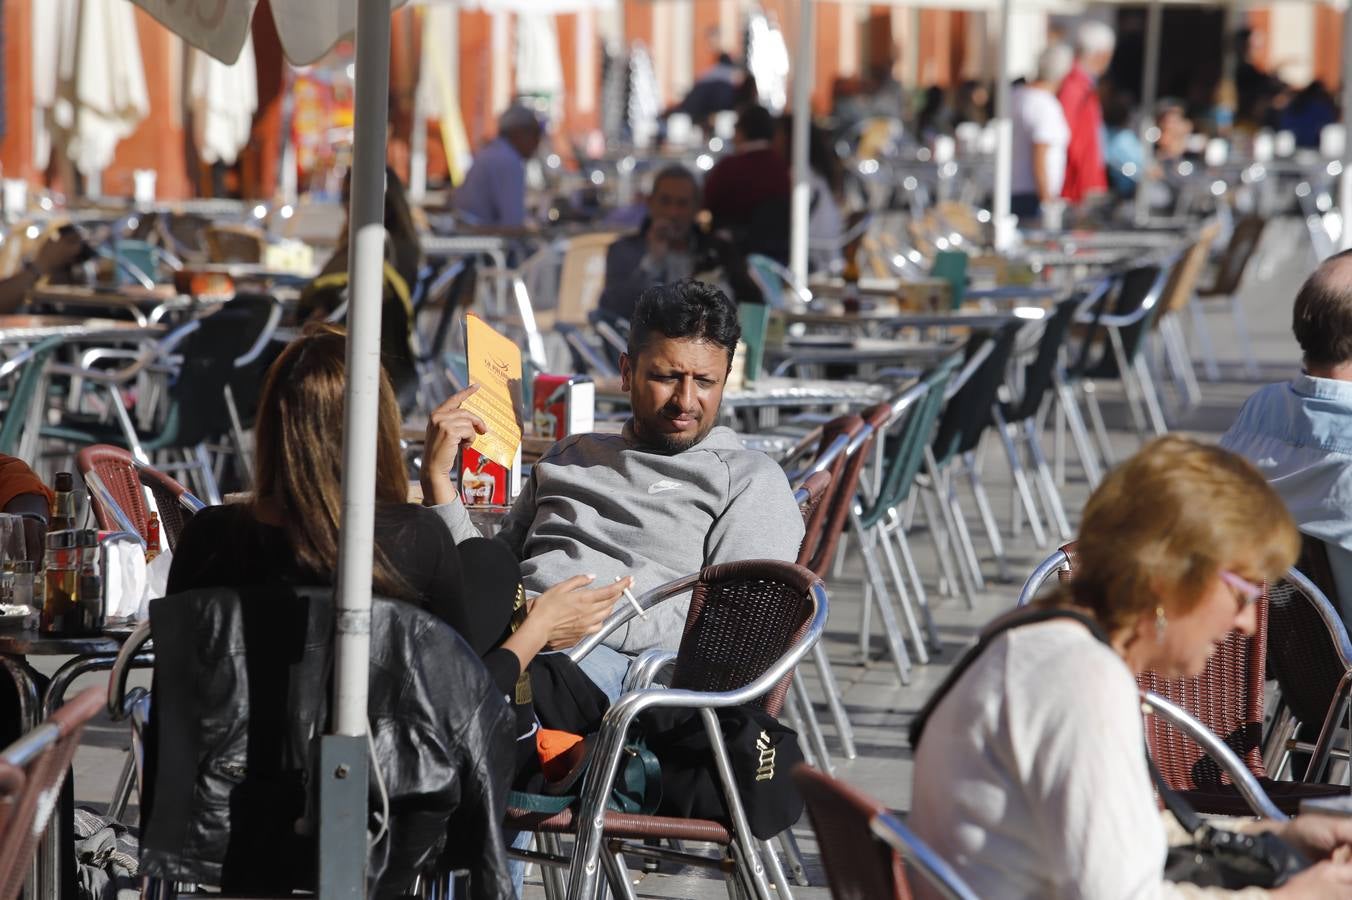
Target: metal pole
{"type": "Point", "coordinates": [802, 125]}
{"type": "Point", "coordinates": [1154, 19]}
{"type": "Point", "coordinates": [1345, 182]}
{"type": "Point", "coordinates": [343, 757]}
{"type": "Point", "coordinates": [1004, 138]}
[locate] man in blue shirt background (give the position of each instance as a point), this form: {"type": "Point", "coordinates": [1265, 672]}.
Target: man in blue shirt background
{"type": "Point", "coordinates": [494, 192]}
{"type": "Point", "coordinates": [1299, 433]}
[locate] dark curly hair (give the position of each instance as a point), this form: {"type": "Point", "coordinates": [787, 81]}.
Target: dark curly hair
{"type": "Point", "coordinates": [686, 309]}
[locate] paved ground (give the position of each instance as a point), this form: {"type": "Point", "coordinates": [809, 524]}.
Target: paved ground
{"type": "Point", "coordinates": [878, 706]}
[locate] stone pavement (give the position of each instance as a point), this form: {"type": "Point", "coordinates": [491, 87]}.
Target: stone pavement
{"type": "Point", "coordinates": [879, 707]}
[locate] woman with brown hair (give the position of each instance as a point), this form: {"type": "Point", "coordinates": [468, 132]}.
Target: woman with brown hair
{"type": "Point", "coordinates": [288, 532]}
{"type": "Point", "coordinates": [1031, 777]}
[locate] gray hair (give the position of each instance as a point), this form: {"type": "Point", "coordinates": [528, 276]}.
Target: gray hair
{"type": "Point", "coordinates": [1054, 64]}
{"type": "Point", "coordinates": [517, 117]}
{"type": "Point", "coordinates": [1094, 37]}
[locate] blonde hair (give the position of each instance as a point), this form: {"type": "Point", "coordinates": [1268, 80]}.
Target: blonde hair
{"type": "Point", "coordinates": [1162, 524]}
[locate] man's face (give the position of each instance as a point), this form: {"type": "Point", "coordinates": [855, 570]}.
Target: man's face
{"type": "Point", "coordinates": [675, 386]}
{"type": "Point", "coordinates": [671, 208]}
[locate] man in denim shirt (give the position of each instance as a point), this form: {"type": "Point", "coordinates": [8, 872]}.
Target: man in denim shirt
{"type": "Point", "coordinates": [1299, 433]}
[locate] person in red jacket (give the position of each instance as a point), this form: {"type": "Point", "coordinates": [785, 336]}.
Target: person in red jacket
{"type": "Point", "coordinates": [1085, 174]}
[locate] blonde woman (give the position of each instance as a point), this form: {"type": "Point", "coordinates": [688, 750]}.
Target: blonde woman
{"type": "Point", "coordinates": [1030, 776]}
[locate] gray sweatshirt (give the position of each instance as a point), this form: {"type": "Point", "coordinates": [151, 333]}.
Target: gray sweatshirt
{"type": "Point", "coordinates": [602, 504]}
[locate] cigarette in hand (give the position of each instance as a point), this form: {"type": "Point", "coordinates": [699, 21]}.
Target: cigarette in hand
{"type": "Point", "coordinates": [633, 601]}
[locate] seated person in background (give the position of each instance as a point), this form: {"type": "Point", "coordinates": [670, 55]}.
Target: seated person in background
{"type": "Point", "coordinates": [1299, 432]}
{"type": "Point", "coordinates": [322, 297]}
{"type": "Point", "coordinates": [22, 493]}
{"type": "Point", "coordinates": [1030, 773]}
{"type": "Point", "coordinates": [670, 247]}
{"type": "Point", "coordinates": [673, 493]}
{"type": "Point", "coordinates": [1123, 153]}
{"type": "Point", "coordinates": [55, 254]}
{"type": "Point", "coordinates": [493, 194]}
{"type": "Point", "coordinates": [747, 192]}
{"type": "Point", "coordinates": [288, 532]}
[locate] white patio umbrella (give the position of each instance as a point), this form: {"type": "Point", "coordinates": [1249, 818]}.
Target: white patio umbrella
{"type": "Point", "coordinates": [309, 29]}
{"type": "Point", "coordinates": [223, 99]}
{"type": "Point", "coordinates": [89, 82]}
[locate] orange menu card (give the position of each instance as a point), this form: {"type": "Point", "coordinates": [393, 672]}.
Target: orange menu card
{"type": "Point", "coordinates": [495, 366]}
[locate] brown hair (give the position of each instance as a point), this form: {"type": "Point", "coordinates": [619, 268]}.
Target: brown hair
{"type": "Point", "coordinates": [298, 437]}
{"type": "Point", "coordinates": [1161, 525]}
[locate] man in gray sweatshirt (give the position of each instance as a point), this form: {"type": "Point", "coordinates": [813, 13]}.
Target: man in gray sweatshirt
{"type": "Point", "coordinates": [673, 493]}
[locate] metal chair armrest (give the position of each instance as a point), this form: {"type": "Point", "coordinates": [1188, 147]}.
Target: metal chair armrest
{"type": "Point", "coordinates": [890, 830]}
{"type": "Point", "coordinates": [1045, 569]}
{"type": "Point", "coordinates": [626, 611]}
{"type": "Point", "coordinates": [118, 705]}
{"type": "Point", "coordinates": [1243, 779]}
{"type": "Point", "coordinates": [647, 666]}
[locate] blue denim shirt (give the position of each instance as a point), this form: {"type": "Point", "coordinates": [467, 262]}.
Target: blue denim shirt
{"type": "Point", "coordinates": [1299, 434]}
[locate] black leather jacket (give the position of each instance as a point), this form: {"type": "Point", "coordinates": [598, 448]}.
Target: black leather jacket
{"type": "Point", "coordinates": [240, 695]}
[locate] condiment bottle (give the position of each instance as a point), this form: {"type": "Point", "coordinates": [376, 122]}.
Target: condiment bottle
{"type": "Point", "coordinates": [63, 579]}
{"type": "Point", "coordinates": [152, 536]}
{"type": "Point", "coordinates": [63, 504]}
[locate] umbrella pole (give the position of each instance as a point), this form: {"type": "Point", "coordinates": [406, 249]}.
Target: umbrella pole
{"type": "Point", "coordinates": [343, 754]}
{"type": "Point", "coordinates": [1345, 180]}
{"type": "Point", "coordinates": [1154, 19]}
{"type": "Point", "coordinates": [802, 132]}
{"type": "Point", "coordinates": [1002, 223]}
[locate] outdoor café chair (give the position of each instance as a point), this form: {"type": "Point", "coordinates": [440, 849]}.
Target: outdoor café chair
{"type": "Point", "coordinates": [968, 413]}
{"type": "Point", "coordinates": [32, 771]}
{"type": "Point", "coordinates": [1244, 240]}
{"type": "Point", "coordinates": [181, 402]}
{"type": "Point", "coordinates": [1310, 656]}
{"type": "Point", "coordinates": [1018, 420]}
{"type": "Point", "coordinates": [1180, 293]}
{"type": "Point", "coordinates": [1125, 328]}
{"type": "Point", "coordinates": [1227, 698]}
{"type": "Point", "coordinates": [865, 848]}
{"type": "Point", "coordinates": [901, 445]}
{"type": "Point", "coordinates": [25, 401]}
{"type": "Point", "coordinates": [117, 483]}
{"type": "Point", "coordinates": [749, 625]}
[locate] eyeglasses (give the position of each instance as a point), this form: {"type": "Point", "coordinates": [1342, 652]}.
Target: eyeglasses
{"type": "Point", "coordinates": [1246, 592]}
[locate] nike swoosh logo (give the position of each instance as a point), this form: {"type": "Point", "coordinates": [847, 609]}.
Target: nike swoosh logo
{"type": "Point", "coordinates": [658, 487]}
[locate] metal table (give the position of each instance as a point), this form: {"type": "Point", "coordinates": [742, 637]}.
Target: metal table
{"type": "Point", "coordinates": [91, 653]}
{"type": "Point", "coordinates": [773, 392]}
{"type": "Point", "coordinates": [892, 320]}
{"type": "Point", "coordinates": [22, 328]}
{"type": "Point", "coordinates": [145, 306]}
{"type": "Point", "coordinates": [827, 350]}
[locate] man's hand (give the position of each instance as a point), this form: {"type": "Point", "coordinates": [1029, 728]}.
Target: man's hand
{"type": "Point", "coordinates": [58, 252]}
{"type": "Point", "coordinates": [448, 429]}
{"type": "Point", "coordinates": [660, 240]}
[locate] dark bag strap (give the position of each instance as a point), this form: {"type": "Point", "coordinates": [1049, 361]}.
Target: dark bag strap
{"type": "Point", "coordinates": [1015, 619]}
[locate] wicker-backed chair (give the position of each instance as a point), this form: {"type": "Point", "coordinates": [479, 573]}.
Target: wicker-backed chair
{"type": "Point", "coordinates": [810, 493]}
{"type": "Point", "coordinates": [32, 770]}
{"type": "Point", "coordinates": [1310, 656]}
{"type": "Point", "coordinates": [865, 849]}
{"type": "Point", "coordinates": [116, 482]}
{"type": "Point", "coordinates": [749, 625]}
{"type": "Point", "coordinates": [1227, 698]}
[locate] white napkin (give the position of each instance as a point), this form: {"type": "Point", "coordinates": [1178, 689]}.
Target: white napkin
{"type": "Point", "coordinates": [124, 580]}
{"type": "Point", "coordinates": [157, 579]}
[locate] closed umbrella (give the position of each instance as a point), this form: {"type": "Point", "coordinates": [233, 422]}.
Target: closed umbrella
{"type": "Point", "coordinates": [223, 99]}
{"type": "Point", "coordinates": [308, 29]}
{"type": "Point", "coordinates": [89, 83]}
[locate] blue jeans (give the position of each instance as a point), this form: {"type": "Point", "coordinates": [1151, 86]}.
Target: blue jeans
{"type": "Point", "coordinates": [607, 668]}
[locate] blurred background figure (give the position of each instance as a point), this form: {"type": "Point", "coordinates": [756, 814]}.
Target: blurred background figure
{"type": "Point", "coordinates": [1078, 93]}
{"type": "Point", "coordinates": [1041, 135]}
{"type": "Point", "coordinates": [747, 191]}
{"type": "Point", "coordinates": [494, 192]}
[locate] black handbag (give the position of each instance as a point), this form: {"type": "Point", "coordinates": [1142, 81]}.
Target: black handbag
{"type": "Point", "coordinates": [1225, 859]}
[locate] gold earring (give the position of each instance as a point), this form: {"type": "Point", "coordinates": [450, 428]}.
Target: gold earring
{"type": "Point", "coordinates": [1161, 624]}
